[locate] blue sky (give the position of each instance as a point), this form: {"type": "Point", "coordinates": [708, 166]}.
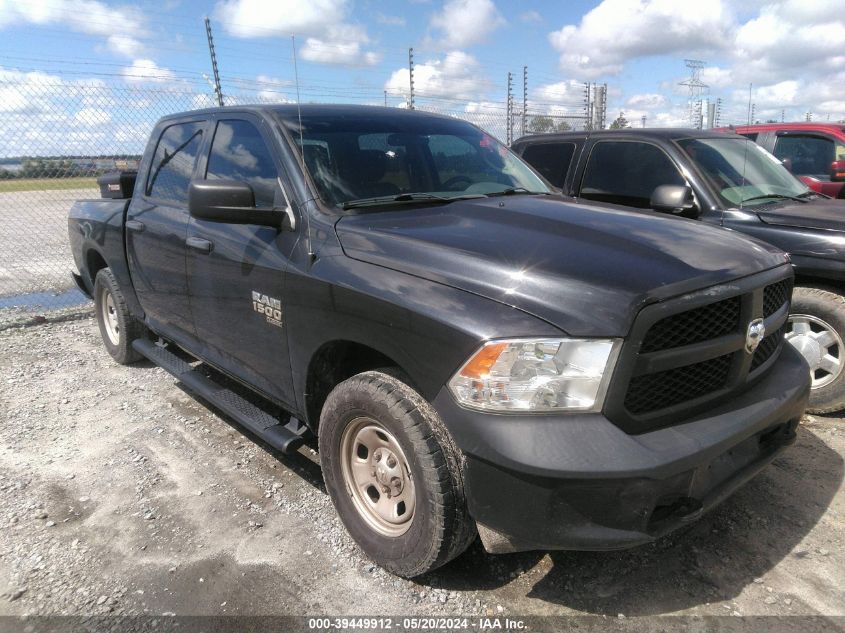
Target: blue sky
{"type": "Point", "coordinates": [354, 50]}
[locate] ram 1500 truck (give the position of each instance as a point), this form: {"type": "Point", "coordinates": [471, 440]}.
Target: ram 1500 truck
{"type": "Point", "coordinates": [725, 180]}
{"type": "Point", "coordinates": [475, 354]}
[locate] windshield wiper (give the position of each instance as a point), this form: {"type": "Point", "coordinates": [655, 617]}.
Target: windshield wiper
{"type": "Point", "coordinates": [777, 196]}
{"type": "Point", "coordinates": [510, 191]}
{"type": "Point", "coordinates": [405, 197]}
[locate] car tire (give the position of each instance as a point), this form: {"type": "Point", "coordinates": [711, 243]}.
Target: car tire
{"type": "Point", "coordinates": [816, 328]}
{"type": "Point", "coordinates": [394, 474]}
{"type": "Point", "coordinates": [118, 327]}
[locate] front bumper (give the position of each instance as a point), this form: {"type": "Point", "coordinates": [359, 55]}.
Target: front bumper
{"type": "Point", "coordinates": [580, 482]}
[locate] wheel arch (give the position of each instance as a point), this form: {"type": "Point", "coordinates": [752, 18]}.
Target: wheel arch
{"type": "Point", "coordinates": [94, 263]}
{"type": "Point", "coordinates": [332, 363]}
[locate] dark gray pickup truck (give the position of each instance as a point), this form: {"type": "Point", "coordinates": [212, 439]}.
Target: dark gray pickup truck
{"type": "Point", "coordinates": [475, 354]}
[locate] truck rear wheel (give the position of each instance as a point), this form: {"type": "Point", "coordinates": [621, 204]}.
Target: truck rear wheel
{"type": "Point", "coordinates": [816, 328]}
{"type": "Point", "coordinates": [394, 474]}
{"type": "Point", "coordinates": [118, 327]}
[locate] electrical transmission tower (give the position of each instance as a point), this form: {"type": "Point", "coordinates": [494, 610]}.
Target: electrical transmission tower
{"type": "Point", "coordinates": [697, 89]}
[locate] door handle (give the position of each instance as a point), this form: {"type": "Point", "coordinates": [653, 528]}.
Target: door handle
{"type": "Point", "coordinates": [134, 225]}
{"type": "Point", "coordinates": [200, 244]}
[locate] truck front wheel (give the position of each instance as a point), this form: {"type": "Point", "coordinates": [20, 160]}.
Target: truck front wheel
{"type": "Point", "coordinates": [118, 327]}
{"type": "Point", "coordinates": [816, 328]}
{"type": "Point", "coordinates": [394, 474]}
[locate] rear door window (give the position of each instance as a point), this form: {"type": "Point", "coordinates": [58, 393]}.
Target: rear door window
{"type": "Point", "coordinates": [552, 160]}
{"type": "Point", "coordinates": [627, 173]}
{"type": "Point", "coordinates": [174, 161]}
{"type": "Point", "coordinates": [238, 152]}
{"type": "Point", "coordinates": [807, 155]}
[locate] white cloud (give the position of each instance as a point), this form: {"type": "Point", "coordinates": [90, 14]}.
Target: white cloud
{"type": "Point", "coordinates": [561, 92]}
{"type": "Point", "coordinates": [531, 17]}
{"type": "Point", "coordinates": [390, 20]}
{"type": "Point", "coordinates": [619, 30]}
{"type": "Point", "coordinates": [146, 70]}
{"type": "Point", "coordinates": [262, 89]}
{"type": "Point", "coordinates": [462, 23]}
{"type": "Point", "coordinates": [458, 75]}
{"type": "Point", "coordinates": [329, 38]}
{"type": "Point", "coordinates": [790, 50]}
{"type": "Point", "coordinates": [282, 18]}
{"type": "Point", "coordinates": [91, 116]}
{"type": "Point", "coordinates": [795, 35]}
{"type": "Point", "coordinates": [342, 44]}
{"type": "Point", "coordinates": [121, 26]}
{"type": "Point", "coordinates": [649, 101]}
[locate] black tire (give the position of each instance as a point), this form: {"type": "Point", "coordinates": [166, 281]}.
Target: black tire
{"type": "Point", "coordinates": [440, 528]}
{"type": "Point", "coordinates": [127, 329]}
{"type": "Point", "coordinates": [828, 306]}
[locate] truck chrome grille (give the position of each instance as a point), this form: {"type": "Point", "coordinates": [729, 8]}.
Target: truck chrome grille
{"type": "Point", "coordinates": [688, 352]}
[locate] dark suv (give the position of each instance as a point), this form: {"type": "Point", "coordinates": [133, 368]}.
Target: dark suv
{"type": "Point", "coordinates": [726, 180]}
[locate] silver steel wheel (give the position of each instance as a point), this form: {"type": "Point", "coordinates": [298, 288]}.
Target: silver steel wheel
{"type": "Point", "coordinates": [377, 476]}
{"type": "Point", "coordinates": [109, 316]}
{"type": "Point", "coordinates": [820, 344]}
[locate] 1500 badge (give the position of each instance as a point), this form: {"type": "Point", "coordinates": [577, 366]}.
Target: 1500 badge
{"type": "Point", "coordinates": [268, 306]}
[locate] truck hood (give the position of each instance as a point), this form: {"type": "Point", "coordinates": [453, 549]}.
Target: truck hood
{"type": "Point", "coordinates": [816, 214]}
{"type": "Point", "coordinates": [587, 269]}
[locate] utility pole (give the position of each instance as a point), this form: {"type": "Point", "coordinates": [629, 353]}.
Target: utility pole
{"type": "Point", "coordinates": [524, 98]}
{"type": "Point", "coordinates": [217, 91]}
{"type": "Point", "coordinates": [385, 98]}
{"type": "Point", "coordinates": [718, 117]}
{"type": "Point", "coordinates": [588, 108]}
{"type": "Point", "coordinates": [411, 76]}
{"type": "Point", "coordinates": [643, 119]}
{"type": "Point", "coordinates": [750, 86]}
{"type": "Point", "coordinates": [509, 132]}
{"type": "Point", "coordinates": [753, 113]}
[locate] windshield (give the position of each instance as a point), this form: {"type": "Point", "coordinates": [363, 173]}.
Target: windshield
{"type": "Point", "coordinates": [742, 172]}
{"type": "Point", "coordinates": [358, 157]}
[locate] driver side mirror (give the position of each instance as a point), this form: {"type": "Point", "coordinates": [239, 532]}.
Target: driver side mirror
{"type": "Point", "coordinates": [674, 199]}
{"type": "Point", "coordinates": [230, 202]}
{"type": "Point", "coordinates": [837, 171]}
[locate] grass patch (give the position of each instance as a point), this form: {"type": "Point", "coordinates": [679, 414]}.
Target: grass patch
{"type": "Point", "coordinates": [45, 184]}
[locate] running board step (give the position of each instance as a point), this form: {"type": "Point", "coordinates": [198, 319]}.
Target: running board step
{"type": "Point", "coordinates": [284, 437]}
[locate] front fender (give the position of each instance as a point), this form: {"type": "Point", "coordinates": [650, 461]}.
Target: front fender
{"type": "Point", "coordinates": [428, 329]}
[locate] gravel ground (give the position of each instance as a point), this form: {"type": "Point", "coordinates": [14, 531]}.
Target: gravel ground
{"type": "Point", "coordinates": [121, 494]}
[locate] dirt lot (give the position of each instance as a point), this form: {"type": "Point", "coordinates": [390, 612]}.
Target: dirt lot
{"type": "Point", "coordinates": [121, 494]}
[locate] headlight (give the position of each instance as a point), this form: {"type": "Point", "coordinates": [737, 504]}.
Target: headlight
{"type": "Point", "coordinates": [537, 375]}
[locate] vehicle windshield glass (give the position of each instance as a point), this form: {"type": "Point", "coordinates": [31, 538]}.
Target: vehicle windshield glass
{"type": "Point", "coordinates": [355, 157]}
{"type": "Point", "coordinates": [742, 172]}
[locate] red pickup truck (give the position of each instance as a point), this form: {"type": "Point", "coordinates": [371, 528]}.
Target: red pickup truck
{"type": "Point", "coordinates": [814, 152]}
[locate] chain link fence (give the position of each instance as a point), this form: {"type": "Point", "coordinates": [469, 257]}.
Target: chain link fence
{"type": "Point", "coordinates": [57, 136]}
